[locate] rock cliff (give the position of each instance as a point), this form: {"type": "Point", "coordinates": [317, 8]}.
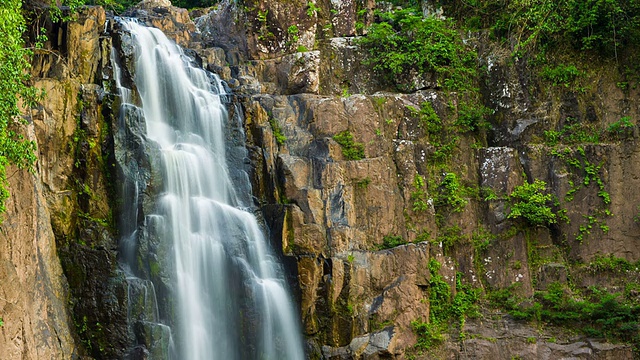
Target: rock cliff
{"type": "Point", "coordinates": [343, 172]}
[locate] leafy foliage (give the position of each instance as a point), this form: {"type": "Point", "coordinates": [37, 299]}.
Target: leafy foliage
{"type": "Point", "coordinates": [190, 4]}
{"type": "Point", "coordinates": [405, 42]}
{"type": "Point", "coordinates": [14, 90]}
{"type": "Point", "coordinates": [450, 193]}
{"type": "Point", "coordinates": [531, 202]}
{"type": "Point", "coordinates": [603, 26]}
{"type": "Point", "coordinates": [621, 128]}
{"type": "Point", "coordinates": [561, 74]}
{"type": "Point", "coordinates": [445, 308]}
{"type": "Point", "coordinates": [351, 149]}
{"type": "Point", "coordinates": [391, 241]}
{"type": "Point", "coordinates": [277, 131]}
{"type": "Point", "coordinates": [597, 314]}
{"type": "Point", "coordinates": [419, 195]}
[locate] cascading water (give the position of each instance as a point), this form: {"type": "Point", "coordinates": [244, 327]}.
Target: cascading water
{"type": "Point", "coordinates": [230, 295]}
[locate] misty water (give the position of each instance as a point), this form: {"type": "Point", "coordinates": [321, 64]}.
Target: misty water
{"type": "Point", "coordinates": [230, 297]}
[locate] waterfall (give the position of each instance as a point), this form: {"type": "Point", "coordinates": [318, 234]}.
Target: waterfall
{"type": "Point", "coordinates": [230, 299]}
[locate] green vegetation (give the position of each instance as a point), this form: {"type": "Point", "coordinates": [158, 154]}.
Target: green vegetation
{"type": "Point", "coordinates": [595, 313]}
{"type": "Point", "coordinates": [121, 5]}
{"type": "Point", "coordinates": [611, 263]}
{"type": "Point", "coordinates": [429, 119]}
{"type": "Point", "coordinates": [587, 25]}
{"type": "Point", "coordinates": [293, 31]}
{"type": "Point", "coordinates": [351, 150]}
{"type": "Point", "coordinates": [445, 308]}
{"type": "Point", "coordinates": [312, 9]}
{"type": "Point", "coordinates": [561, 75]}
{"type": "Point", "coordinates": [622, 128]}
{"type": "Point", "coordinates": [572, 133]}
{"type": "Point", "coordinates": [405, 42]}
{"type": "Point", "coordinates": [14, 89]}
{"type": "Point", "coordinates": [277, 131]}
{"type": "Point", "coordinates": [364, 183]}
{"type": "Point", "coordinates": [586, 173]}
{"type": "Point", "coordinates": [450, 193]}
{"type": "Point", "coordinates": [190, 4]}
{"type": "Point", "coordinates": [391, 241]}
{"type": "Point", "coordinates": [471, 117]}
{"type": "Point", "coordinates": [419, 195]}
{"type": "Point", "coordinates": [531, 202]}
{"type": "Point", "coordinates": [449, 236]}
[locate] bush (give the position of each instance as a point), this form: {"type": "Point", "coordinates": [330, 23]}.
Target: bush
{"type": "Point", "coordinates": [602, 26]}
{"type": "Point", "coordinates": [531, 202]}
{"type": "Point", "coordinates": [405, 42]}
{"type": "Point", "coordinates": [444, 308]}
{"type": "Point", "coordinates": [351, 150]}
{"type": "Point", "coordinates": [621, 128]}
{"type": "Point", "coordinates": [450, 193]}
{"type": "Point", "coordinates": [561, 75]}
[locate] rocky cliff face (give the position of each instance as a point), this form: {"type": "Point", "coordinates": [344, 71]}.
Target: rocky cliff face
{"type": "Point", "coordinates": [352, 234]}
{"type": "Point", "coordinates": [336, 214]}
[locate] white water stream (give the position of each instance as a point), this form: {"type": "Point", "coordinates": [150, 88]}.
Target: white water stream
{"type": "Point", "coordinates": [231, 301]}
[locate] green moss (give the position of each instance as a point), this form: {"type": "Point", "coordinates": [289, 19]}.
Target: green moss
{"type": "Point", "coordinates": [154, 268]}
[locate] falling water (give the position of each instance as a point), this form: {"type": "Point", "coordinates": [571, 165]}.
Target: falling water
{"type": "Point", "coordinates": [230, 294]}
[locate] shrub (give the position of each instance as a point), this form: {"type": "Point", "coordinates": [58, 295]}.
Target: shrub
{"type": "Point", "coordinates": [429, 119]}
{"type": "Point", "coordinates": [405, 42]}
{"type": "Point", "coordinates": [621, 128]}
{"type": "Point", "coordinates": [418, 195]}
{"type": "Point", "coordinates": [531, 202]}
{"type": "Point", "coordinates": [450, 193]}
{"type": "Point", "coordinates": [277, 131]}
{"type": "Point", "coordinates": [445, 309]}
{"type": "Point", "coordinates": [351, 150]}
{"type": "Point", "coordinates": [561, 75]}
{"type": "Point", "coordinates": [471, 117]}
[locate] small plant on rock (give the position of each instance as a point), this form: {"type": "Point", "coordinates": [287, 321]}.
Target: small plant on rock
{"type": "Point", "coordinates": [351, 150]}
{"type": "Point", "coordinates": [531, 203]}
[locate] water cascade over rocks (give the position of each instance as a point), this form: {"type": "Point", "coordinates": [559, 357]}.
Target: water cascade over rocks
{"type": "Point", "coordinates": [228, 298]}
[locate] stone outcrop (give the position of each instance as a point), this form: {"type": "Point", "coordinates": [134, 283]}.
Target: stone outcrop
{"type": "Point", "coordinates": [33, 294]}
